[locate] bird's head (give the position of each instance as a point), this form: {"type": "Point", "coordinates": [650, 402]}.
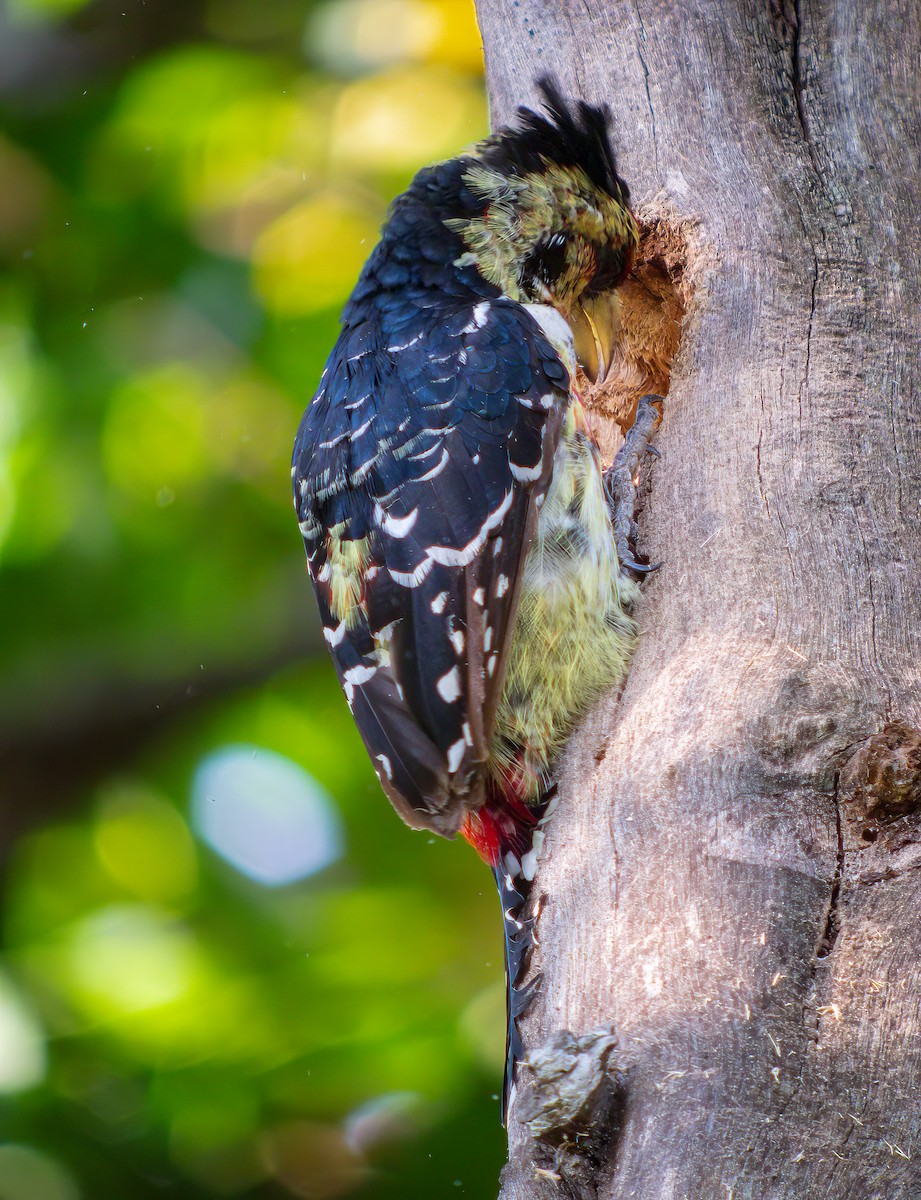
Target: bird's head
{"type": "Point", "coordinates": [554, 226]}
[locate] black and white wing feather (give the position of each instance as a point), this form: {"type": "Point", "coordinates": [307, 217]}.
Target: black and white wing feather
{"type": "Point", "coordinates": [418, 470]}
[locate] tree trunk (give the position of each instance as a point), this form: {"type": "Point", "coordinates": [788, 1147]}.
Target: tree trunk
{"type": "Point", "coordinates": [732, 877]}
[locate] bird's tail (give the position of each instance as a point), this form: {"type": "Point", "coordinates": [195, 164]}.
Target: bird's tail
{"type": "Point", "coordinates": [517, 924]}
{"type": "Point", "coordinates": [507, 834]}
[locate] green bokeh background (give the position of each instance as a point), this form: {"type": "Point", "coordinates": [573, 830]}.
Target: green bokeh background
{"type": "Point", "coordinates": [188, 189]}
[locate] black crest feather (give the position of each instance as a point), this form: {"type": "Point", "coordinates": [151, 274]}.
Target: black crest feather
{"type": "Point", "coordinates": [570, 135]}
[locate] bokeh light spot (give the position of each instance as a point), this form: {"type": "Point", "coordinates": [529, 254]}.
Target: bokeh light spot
{"type": "Point", "coordinates": [22, 1043]}
{"type": "Point", "coordinates": [391, 1118]}
{"type": "Point", "coordinates": [32, 515]}
{"type": "Point", "coordinates": [129, 958]}
{"type": "Point", "coordinates": [144, 844]}
{"type": "Point", "coordinates": [355, 35]}
{"type": "Point", "coordinates": [265, 815]}
{"type": "Point", "coordinates": [312, 1160]}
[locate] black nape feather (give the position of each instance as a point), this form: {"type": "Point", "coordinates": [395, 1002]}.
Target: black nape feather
{"type": "Point", "coordinates": [576, 135]}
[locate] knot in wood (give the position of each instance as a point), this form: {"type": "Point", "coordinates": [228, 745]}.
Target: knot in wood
{"type": "Point", "coordinates": [883, 779]}
{"type": "Point", "coordinates": [572, 1079]}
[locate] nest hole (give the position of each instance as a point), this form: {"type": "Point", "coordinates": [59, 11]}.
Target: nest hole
{"type": "Point", "coordinates": [655, 299]}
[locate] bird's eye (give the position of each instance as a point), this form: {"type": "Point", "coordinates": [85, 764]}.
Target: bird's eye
{"type": "Point", "coordinates": [612, 267]}
{"type": "Point", "coordinates": [545, 264]}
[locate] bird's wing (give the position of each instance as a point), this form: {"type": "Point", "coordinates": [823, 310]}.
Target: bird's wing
{"type": "Point", "coordinates": [418, 471]}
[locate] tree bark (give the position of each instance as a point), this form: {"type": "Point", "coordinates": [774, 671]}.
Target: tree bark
{"type": "Point", "coordinates": [732, 877]}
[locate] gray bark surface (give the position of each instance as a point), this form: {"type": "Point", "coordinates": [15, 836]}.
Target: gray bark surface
{"type": "Point", "coordinates": [732, 878]}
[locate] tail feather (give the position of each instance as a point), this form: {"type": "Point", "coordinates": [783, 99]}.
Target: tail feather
{"type": "Point", "coordinates": [514, 895]}
{"type": "Point", "coordinates": [506, 834]}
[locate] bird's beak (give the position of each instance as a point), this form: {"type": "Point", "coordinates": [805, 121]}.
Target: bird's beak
{"type": "Point", "coordinates": [594, 325]}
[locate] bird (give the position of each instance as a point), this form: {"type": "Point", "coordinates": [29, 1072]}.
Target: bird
{"type": "Point", "coordinates": [472, 561]}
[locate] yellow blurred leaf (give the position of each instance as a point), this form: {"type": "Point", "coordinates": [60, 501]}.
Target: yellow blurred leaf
{"type": "Point", "coordinates": [309, 259]}
{"type": "Point", "coordinates": [362, 34]}
{"type": "Point", "coordinates": [405, 118]}
{"type": "Point", "coordinates": [458, 40]}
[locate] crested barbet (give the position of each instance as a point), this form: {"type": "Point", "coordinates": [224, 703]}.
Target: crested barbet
{"type": "Point", "coordinates": [458, 524]}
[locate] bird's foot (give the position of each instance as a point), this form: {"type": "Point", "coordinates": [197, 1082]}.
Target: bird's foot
{"type": "Point", "coordinates": [620, 482]}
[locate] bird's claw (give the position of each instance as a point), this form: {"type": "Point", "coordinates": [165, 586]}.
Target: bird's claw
{"type": "Point", "coordinates": [629, 564]}
{"type": "Point", "coordinates": [620, 485]}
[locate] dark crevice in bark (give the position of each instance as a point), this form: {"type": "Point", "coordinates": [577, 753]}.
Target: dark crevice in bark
{"type": "Point", "coordinates": [652, 115]}
{"type": "Point", "coordinates": [758, 468]}
{"type": "Point", "coordinates": [811, 1011]}
{"type": "Point", "coordinates": [796, 81]}
{"type": "Point", "coordinates": [815, 284]}
{"type": "Point", "coordinates": [833, 914]}
{"type": "Point", "coordinates": [796, 77]}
